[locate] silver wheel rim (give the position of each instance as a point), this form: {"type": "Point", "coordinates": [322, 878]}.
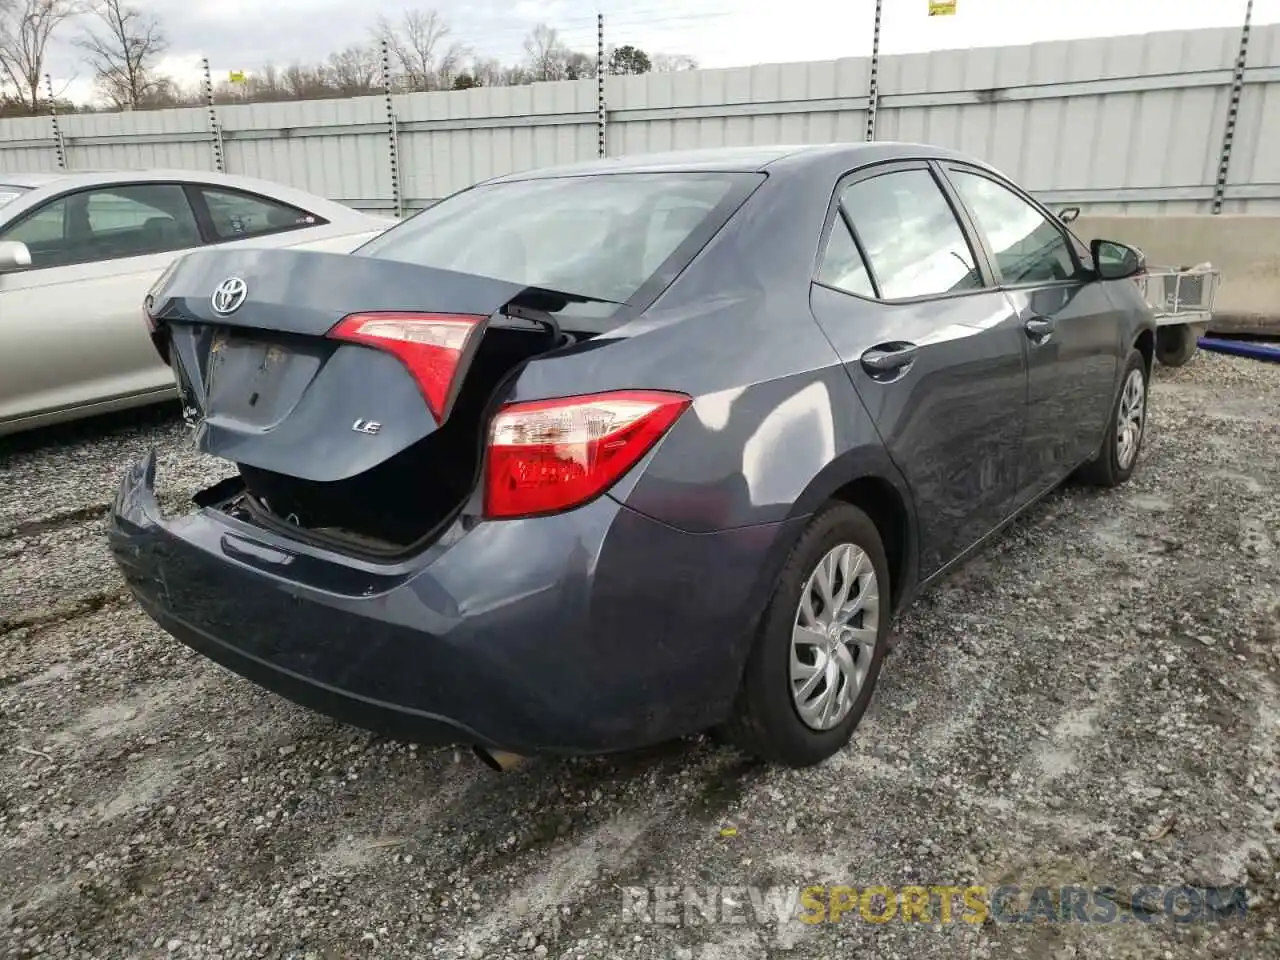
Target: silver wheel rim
{"type": "Point", "coordinates": [1129, 419]}
{"type": "Point", "coordinates": [834, 636]}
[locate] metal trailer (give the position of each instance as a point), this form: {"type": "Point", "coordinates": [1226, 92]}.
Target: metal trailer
{"type": "Point", "coordinates": [1182, 300]}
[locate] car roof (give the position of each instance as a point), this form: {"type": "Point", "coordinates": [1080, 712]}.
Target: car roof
{"type": "Point", "coordinates": [740, 159]}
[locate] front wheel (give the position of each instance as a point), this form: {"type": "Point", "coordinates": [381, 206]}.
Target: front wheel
{"type": "Point", "coordinates": [1114, 463]}
{"type": "Point", "coordinates": [820, 645]}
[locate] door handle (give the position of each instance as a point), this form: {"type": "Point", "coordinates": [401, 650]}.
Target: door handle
{"type": "Point", "coordinates": [1039, 328]}
{"type": "Point", "coordinates": [888, 358]}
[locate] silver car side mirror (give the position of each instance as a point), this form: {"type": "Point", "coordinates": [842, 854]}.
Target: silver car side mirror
{"type": "Point", "coordinates": [14, 253]}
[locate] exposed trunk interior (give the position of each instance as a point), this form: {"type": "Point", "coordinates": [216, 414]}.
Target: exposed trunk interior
{"type": "Point", "coordinates": [273, 386]}
{"type": "Point", "coordinates": [404, 499]}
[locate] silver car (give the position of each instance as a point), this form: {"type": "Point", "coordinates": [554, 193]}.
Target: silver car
{"type": "Point", "coordinates": [80, 249]}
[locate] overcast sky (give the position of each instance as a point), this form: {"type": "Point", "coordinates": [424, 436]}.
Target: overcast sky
{"type": "Point", "coordinates": [243, 34]}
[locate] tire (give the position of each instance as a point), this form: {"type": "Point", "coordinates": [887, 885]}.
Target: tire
{"type": "Point", "coordinates": [1109, 468]}
{"type": "Point", "coordinates": [766, 721]}
{"type": "Point", "coordinates": [1175, 345]}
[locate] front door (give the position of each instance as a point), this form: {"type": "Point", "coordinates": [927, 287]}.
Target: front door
{"type": "Point", "coordinates": [71, 326]}
{"type": "Point", "coordinates": [1071, 326]}
{"type": "Point", "coordinates": [936, 353]}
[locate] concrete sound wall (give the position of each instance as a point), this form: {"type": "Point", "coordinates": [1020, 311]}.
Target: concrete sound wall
{"type": "Point", "coordinates": [1245, 248]}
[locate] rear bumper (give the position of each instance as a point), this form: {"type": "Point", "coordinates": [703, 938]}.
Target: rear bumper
{"type": "Point", "coordinates": [586, 632]}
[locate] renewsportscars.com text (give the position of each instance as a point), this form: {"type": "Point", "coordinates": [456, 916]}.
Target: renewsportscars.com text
{"type": "Point", "coordinates": [974, 904]}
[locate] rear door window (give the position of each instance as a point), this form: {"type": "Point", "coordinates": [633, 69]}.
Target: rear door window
{"type": "Point", "coordinates": [911, 236]}
{"type": "Point", "coordinates": [842, 264]}
{"type": "Point", "coordinates": [598, 236]}
{"type": "Point", "coordinates": [237, 216]}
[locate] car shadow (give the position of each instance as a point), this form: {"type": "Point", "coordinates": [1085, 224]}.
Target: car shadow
{"type": "Point", "coordinates": [105, 426]}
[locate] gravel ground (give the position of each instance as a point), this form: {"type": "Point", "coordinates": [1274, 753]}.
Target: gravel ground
{"type": "Point", "coordinates": [1092, 701]}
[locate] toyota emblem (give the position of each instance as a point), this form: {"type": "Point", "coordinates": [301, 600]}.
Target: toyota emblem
{"type": "Point", "coordinates": [229, 296]}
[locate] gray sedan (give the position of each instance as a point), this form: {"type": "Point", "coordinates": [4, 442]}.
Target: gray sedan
{"type": "Point", "coordinates": [80, 249]}
{"type": "Point", "coordinates": [580, 460]}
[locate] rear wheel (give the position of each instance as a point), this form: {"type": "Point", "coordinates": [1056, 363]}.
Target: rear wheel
{"type": "Point", "coordinates": [820, 645]}
{"type": "Point", "coordinates": [1119, 454]}
{"type": "Point", "coordinates": [1175, 345]}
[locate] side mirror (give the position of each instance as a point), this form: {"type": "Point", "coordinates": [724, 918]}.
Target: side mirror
{"type": "Point", "coordinates": [1068, 214]}
{"type": "Point", "coordinates": [1116, 261]}
{"type": "Point", "coordinates": [14, 254]}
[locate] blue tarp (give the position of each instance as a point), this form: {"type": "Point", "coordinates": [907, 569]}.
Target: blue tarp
{"type": "Point", "coordinates": [1255, 349]}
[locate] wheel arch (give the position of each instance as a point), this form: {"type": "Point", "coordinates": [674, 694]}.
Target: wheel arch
{"type": "Point", "coordinates": [867, 479]}
{"type": "Point", "coordinates": [1145, 343]}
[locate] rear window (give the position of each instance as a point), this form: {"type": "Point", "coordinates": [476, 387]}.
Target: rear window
{"type": "Point", "coordinates": [8, 193]}
{"type": "Point", "coordinates": [596, 236]}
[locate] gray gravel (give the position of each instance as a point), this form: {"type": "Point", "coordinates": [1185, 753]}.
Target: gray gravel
{"type": "Point", "coordinates": [1092, 701]}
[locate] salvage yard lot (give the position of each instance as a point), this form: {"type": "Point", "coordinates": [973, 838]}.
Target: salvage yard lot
{"type": "Point", "coordinates": [1095, 700]}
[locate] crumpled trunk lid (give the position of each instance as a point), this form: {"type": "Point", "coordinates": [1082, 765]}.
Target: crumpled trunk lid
{"type": "Point", "coordinates": [265, 384]}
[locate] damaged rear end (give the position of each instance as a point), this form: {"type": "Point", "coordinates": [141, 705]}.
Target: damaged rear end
{"type": "Point", "coordinates": [351, 392]}
{"type": "Point", "coordinates": [405, 520]}
{"type": "Point", "coordinates": [356, 393]}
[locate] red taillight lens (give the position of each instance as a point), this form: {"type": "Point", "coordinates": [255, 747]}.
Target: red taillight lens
{"type": "Point", "coordinates": [549, 455]}
{"type": "Point", "coordinates": [430, 345]}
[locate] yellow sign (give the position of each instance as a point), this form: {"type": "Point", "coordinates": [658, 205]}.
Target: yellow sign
{"type": "Point", "coordinates": [236, 76]}
{"type": "Point", "coordinates": [942, 8]}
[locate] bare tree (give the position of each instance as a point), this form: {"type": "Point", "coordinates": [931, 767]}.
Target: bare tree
{"type": "Point", "coordinates": [264, 84]}
{"type": "Point", "coordinates": [419, 45]}
{"type": "Point", "coordinates": [25, 29]}
{"type": "Point", "coordinates": [515, 76]}
{"type": "Point", "coordinates": [123, 52]}
{"type": "Point", "coordinates": [489, 72]}
{"type": "Point", "coordinates": [123, 45]}
{"type": "Point", "coordinates": [354, 71]}
{"type": "Point", "coordinates": [548, 56]}
{"type": "Point", "coordinates": [301, 81]}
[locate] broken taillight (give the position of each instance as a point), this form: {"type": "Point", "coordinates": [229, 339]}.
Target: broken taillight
{"type": "Point", "coordinates": [430, 345]}
{"type": "Point", "coordinates": [550, 455]}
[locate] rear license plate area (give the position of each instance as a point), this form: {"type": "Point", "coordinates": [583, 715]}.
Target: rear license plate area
{"type": "Point", "coordinates": [256, 381]}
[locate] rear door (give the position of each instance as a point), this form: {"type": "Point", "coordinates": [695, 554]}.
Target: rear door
{"type": "Point", "coordinates": [71, 328]}
{"type": "Point", "coordinates": [934, 350]}
{"type": "Point", "coordinates": [1071, 327]}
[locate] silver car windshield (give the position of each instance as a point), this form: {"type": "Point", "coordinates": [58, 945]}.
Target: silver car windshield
{"type": "Point", "coordinates": [8, 193]}
{"type": "Point", "coordinates": [598, 236]}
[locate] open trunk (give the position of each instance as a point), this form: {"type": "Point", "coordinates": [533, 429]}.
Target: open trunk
{"type": "Point", "coordinates": [345, 439]}
{"type": "Point", "coordinates": [410, 495]}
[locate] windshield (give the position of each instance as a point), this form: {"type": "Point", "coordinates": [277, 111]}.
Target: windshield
{"type": "Point", "coordinates": [596, 236]}
{"type": "Point", "coordinates": [9, 192]}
